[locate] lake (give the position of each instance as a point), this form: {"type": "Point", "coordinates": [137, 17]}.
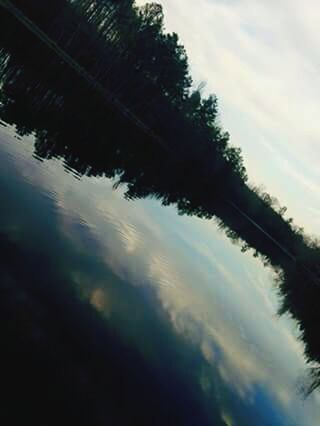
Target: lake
{"type": "Point", "coordinates": [124, 311]}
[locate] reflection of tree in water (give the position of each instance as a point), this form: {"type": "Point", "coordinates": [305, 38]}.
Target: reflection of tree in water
{"type": "Point", "coordinates": [128, 52]}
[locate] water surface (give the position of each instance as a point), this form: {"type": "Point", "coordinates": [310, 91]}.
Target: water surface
{"type": "Point", "coordinates": [141, 315]}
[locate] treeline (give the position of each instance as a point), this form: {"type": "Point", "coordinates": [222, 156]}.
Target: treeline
{"type": "Point", "coordinates": [128, 52]}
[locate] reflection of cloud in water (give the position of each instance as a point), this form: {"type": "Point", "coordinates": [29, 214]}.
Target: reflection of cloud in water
{"type": "Point", "coordinates": [219, 315]}
{"type": "Point", "coordinates": [162, 272]}
{"type": "Point", "coordinates": [130, 236]}
{"type": "Point", "coordinates": [227, 419]}
{"type": "Point", "coordinates": [207, 350]}
{"type": "Point", "coordinates": [99, 299]}
{"type": "Point", "coordinates": [227, 313]}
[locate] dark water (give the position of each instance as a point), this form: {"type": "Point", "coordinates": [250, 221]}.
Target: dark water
{"type": "Point", "coordinates": [122, 312]}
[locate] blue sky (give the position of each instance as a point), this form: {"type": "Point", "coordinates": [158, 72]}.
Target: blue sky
{"type": "Point", "coordinates": [261, 59]}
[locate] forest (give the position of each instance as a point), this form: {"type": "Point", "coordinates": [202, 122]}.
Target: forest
{"type": "Point", "coordinates": [115, 98]}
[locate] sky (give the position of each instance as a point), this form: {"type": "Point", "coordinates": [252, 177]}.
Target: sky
{"type": "Point", "coordinates": [261, 60]}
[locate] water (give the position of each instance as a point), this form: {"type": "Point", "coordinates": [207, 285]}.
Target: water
{"type": "Point", "coordinates": [136, 312]}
